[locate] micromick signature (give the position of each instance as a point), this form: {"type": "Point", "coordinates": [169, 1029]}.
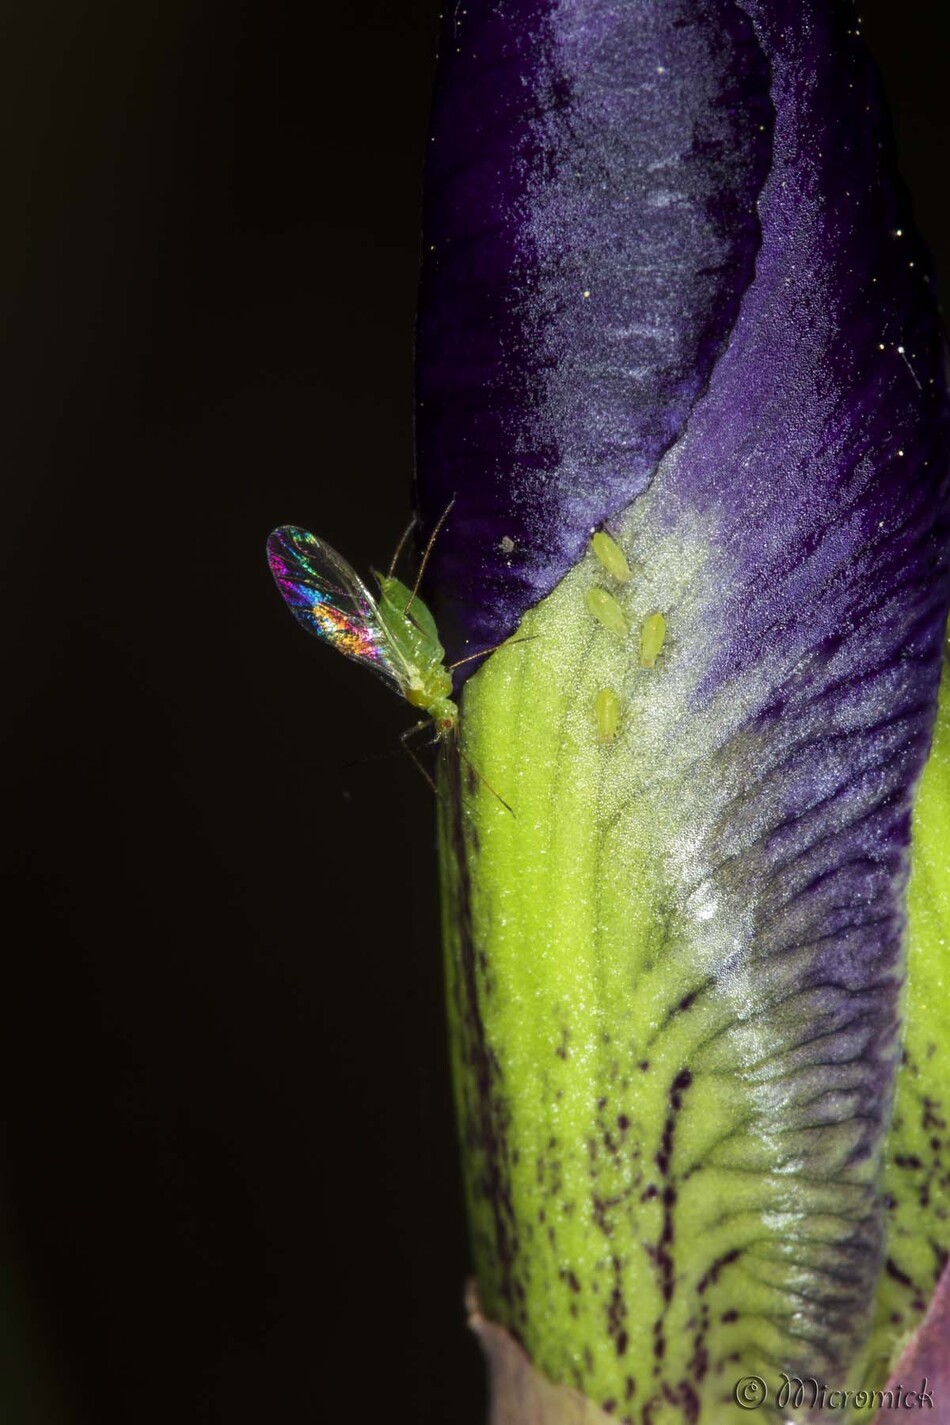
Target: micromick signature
{"type": "Point", "coordinates": [794, 1393]}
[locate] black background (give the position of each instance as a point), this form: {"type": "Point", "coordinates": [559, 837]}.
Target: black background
{"type": "Point", "coordinates": [228, 1167]}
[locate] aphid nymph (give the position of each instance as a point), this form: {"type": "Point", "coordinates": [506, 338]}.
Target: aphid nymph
{"type": "Point", "coordinates": [652, 639]}
{"type": "Point", "coordinates": [607, 714]}
{"type": "Point", "coordinates": [611, 556]}
{"type": "Point", "coordinates": [605, 609]}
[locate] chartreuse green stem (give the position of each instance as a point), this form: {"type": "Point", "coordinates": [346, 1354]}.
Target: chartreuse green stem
{"type": "Point", "coordinates": [655, 1213]}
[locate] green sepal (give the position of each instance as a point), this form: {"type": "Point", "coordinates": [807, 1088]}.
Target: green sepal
{"type": "Point", "coordinates": [917, 1174]}
{"type": "Point", "coordinates": [655, 1210]}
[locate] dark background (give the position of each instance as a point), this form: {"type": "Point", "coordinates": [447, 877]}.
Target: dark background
{"type": "Point", "coordinates": [227, 1163]}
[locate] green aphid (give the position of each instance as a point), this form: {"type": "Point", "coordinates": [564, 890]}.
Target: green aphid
{"type": "Point", "coordinates": [395, 636]}
{"type": "Point", "coordinates": [611, 556]}
{"type": "Point", "coordinates": [652, 639]}
{"type": "Point", "coordinates": [605, 609]}
{"type": "Point", "coordinates": [607, 714]}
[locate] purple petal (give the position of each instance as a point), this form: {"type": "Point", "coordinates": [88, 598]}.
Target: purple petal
{"type": "Point", "coordinates": [590, 229]}
{"type": "Point", "coordinates": [620, 152]}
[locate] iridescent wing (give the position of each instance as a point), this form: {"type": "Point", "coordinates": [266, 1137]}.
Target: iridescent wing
{"type": "Point", "coordinates": [329, 599]}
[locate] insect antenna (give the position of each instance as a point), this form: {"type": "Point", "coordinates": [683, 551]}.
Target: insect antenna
{"type": "Point", "coordinates": [404, 739]}
{"type": "Point", "coordinates": [402, 544]}
{"type": "Point", "coordinates": [484, 652]}
{"type": "Point", "coordinates": [425, 558]}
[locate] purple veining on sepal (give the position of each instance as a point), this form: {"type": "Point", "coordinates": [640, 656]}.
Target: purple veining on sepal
{"type": "Point", "coordinates": [819, 451]}
{"type": "Point", "coordinates": [590, 229]}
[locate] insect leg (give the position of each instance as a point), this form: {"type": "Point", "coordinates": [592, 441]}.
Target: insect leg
{"type": "Point", "coordinates": [411, 731]}
{"type": "Point", "coordinates": [419, 765]}
{"type": "Point", "coordinates": [404, 739]}
{"type": "Point", "coordinates": [393, 752]}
